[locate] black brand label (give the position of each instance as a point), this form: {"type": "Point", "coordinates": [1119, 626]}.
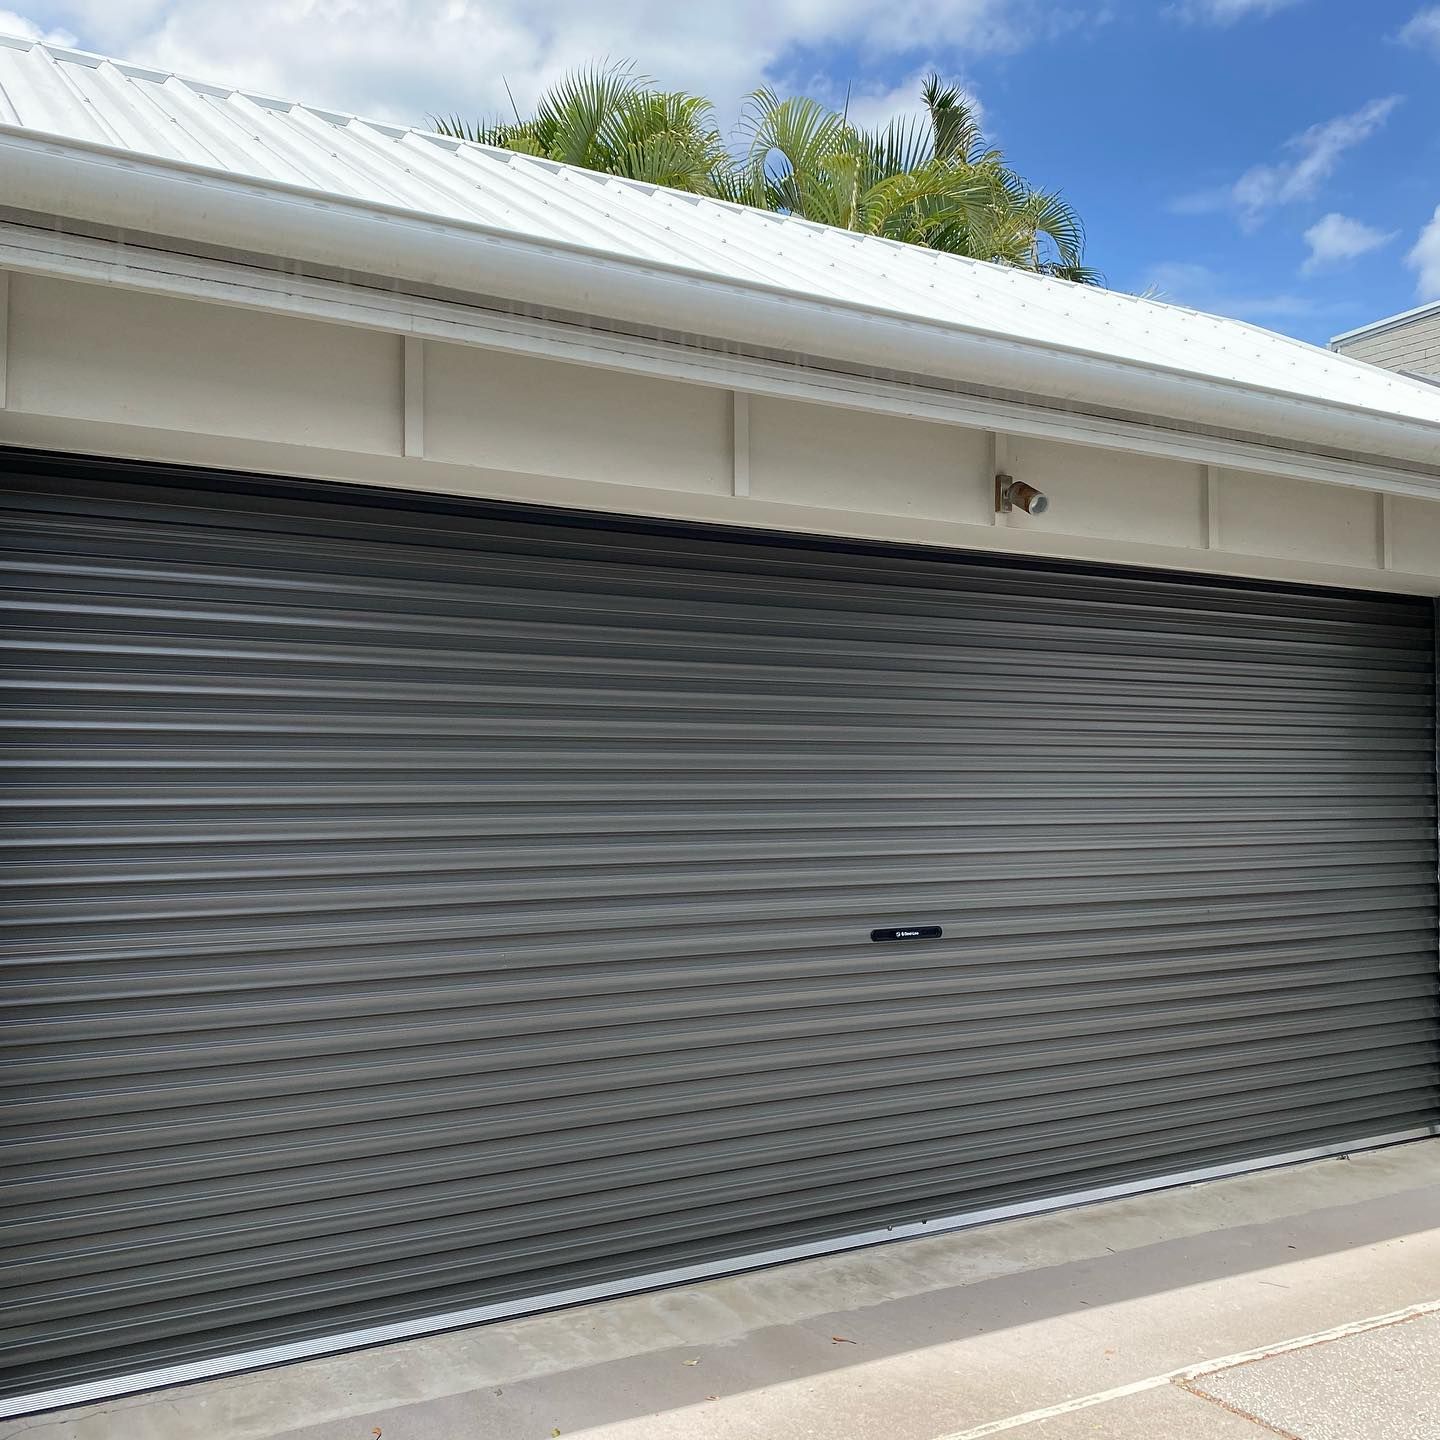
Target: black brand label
{"type": "Point", "coordinates": [908, 932]}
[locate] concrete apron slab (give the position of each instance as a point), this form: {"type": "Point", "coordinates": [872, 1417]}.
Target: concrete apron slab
{"type": "Point", "coordinates": [1385, 1382]}
{"type": "Point", "coordinates": [921, 1339]}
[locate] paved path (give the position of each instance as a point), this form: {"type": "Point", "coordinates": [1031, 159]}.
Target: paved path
{"type": "Point", "coordinates": [1374, 1377]}
{"type": "Point", "coordinates": [1301, 1302]}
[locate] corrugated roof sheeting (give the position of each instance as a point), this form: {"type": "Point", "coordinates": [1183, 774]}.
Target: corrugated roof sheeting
{"type": "Point", "coordinates": [85, 98]}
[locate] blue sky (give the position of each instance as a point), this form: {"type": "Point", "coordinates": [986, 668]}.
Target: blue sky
{"type": "Point", "coordinates": [1277, 160]}
{"type": "Point", "coordinates": [1201, 154]}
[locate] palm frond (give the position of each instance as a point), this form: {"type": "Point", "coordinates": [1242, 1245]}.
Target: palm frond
{"type": "Point", "coordinates": [915, 204]}
{"type": "Point", "coordinates": [1076, 274]}
{"type": "Point", "coordinates": [1052, 219]}
{"type": "Point", "coordinates": [478, 132]}
{"type": "Point", "coordinates": [904, 144]}
{"type": "Point", "coordinates": [955, 131]}
{"type": "Point", "coordinates": [574, 112]}
{"type": "Point", "coordinates": [789, 142]}
{"type": "Point", "coordinates": [672, 159]}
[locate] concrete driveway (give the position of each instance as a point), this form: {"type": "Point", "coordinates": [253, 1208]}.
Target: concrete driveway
{"type": "Point", "coordinates": [1302, 1302]}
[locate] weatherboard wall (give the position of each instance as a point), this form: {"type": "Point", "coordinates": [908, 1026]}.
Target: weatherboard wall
{"type": "Point", "coordinates": [1411, 345]}
{"type": "Point", "coordinates": [105, 370]}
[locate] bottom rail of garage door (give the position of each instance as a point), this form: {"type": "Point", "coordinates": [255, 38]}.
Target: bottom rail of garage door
{"type": "Point", "coordinates": [167, 1375]}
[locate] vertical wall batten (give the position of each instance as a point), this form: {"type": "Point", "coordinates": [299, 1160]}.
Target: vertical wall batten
{"type": "Point", "coordinates": [4, 338]}
{"type": "Point", "coordinates": [740, 442]}
{"type": "Point", "coordinates": [1210, 507]}
{"type": "Point", "coordinates": [999, 465]}
{"type": "Point", "coordinates": [413, 398]}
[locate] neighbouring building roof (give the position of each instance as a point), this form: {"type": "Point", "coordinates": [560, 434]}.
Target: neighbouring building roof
{"type": "Point", "coordinates": [1389, 322]}
{"type": "Point", "coordinates": [60, 108]}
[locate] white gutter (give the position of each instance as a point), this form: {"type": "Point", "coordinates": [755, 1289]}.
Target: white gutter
{"type": "Point", "coordinates": [113, 187]}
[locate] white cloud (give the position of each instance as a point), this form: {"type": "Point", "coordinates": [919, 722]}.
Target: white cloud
{"type": "Point", "coordinates": [1201, 288]}
{"type": "Point", "coordinates": [404, 59]}
{"type": "Point", "coordinates": [1312, 158]}
{"type": "Point", "coordinates": [1227, 12]}
{"type": "Point", "coordinates": [1424, 259]}
{"type": "Point", "coordinates": [1317, 151]}
{"type": "Point", "coordinates": [27, 29]}
{"type": "Point", "coordinates": [1203, 202]}
{"type": "Point", "coordinates": [1422, 30]}
{"type": "Point", "coordinates": [873, 108]}
{"type": "Point", "coordinates": [1336, 238]}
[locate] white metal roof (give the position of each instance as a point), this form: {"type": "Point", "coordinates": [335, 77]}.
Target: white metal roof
{"type": "Point", "coordinates": [141, 112]}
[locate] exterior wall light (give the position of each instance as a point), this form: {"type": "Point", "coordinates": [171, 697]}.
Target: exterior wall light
{"type": "Point", "coordinates": [1012, 494]}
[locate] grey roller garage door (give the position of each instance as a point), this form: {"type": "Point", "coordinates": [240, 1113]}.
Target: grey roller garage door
{"type": "Point", "coordinates": [411, 908]}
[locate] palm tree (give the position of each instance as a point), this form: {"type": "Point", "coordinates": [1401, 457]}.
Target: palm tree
{"type": "Point", "coordinates": [931, 181]}
{"type": "Point", "coordinates": [610, 119]}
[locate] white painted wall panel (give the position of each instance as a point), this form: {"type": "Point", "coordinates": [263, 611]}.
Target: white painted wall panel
{"type": "Point", "coordinates": [1101, 492]}
{"type": "Point", "coordinates": [513, 413]}
{"type": "Point", "coordinates": [843, 459]}
{"type": "Point", "coordinates": [97, 353]}
{"type": "Point", "coordinates": [107, 371]}
{"type": "Point", "coordinates": [1415, 535]}
{"type": "Point", "coordinates": [1268, 515]}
